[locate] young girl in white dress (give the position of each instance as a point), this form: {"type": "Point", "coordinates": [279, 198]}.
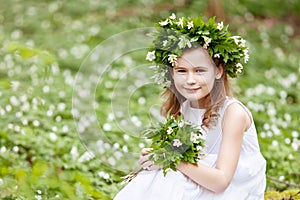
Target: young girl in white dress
{"type": "Point", "coordinates": [197, 88]}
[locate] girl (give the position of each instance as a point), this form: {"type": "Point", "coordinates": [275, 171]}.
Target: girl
{"type": "Point", "coordinates": [198, 89]}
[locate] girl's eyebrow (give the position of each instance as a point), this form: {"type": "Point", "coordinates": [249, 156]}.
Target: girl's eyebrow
{"type": "Point", "coordinates": [176, 67]}
{"type": "Point", "coordinates": [195, 67]}
{"type": "Point", "coordinates": [201, 67]}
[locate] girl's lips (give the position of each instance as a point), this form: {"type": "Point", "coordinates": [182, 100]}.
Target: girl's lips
{"type": "Point", "coordinates": [192, 89]}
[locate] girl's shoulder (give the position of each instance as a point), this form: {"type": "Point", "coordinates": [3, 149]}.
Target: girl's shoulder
{"type": "Point", "coordinates": [236, 108]}
{"type": "Point", "coordinates": [230, 101]}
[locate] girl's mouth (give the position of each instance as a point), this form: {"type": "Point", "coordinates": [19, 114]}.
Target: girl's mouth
{"type": "Point", "coordinates": [192, 89]}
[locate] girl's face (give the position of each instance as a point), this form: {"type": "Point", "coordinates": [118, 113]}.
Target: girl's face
{"type": "Point", "coordinates": [194, 75]}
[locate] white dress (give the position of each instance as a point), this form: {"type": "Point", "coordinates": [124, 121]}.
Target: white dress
{"type": "Point", "coordinates": [248, 183]}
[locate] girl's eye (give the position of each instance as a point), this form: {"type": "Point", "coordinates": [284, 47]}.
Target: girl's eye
{"type": "Point", "coordinates": [200, 71]}
{"type": "Point", "coordinates": [180, 70]}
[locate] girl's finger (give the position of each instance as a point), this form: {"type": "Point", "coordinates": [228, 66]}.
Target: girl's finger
{"type": "Point", "coordinates": [143, 159]}
{"type": "Point", "coordinates": [145, 151]}
{"type": "Point", "coordinates": [146, 165]}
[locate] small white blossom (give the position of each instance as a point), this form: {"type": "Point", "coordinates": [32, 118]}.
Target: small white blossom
{"type": "Point", "coordinates": [46, 89]}
{"type": "Point", "coordinates": [107, 127]}
{"type": "Point", "coordinates": [15, 85]}
{"type": "Point", "coordinates": [164, 23]}
{"type": "Point", "coordinates": [243, 42]}
{"type": "Point", "coordinates": [74, 152]}
{"type": "Point", "coordinates": [173, 16]}
{"type": "Point", "coordinates": [190, 24]}
{"type": "Point", "coordinates": [36, 123]}
{"type": "Point", "coordinates": [207, 40]}
{"type": "Point", "coordinates": [52, 136]}
{"type": "Point", "coordinates": [239, 68]}
{"type": "Point", "coordinates": [220, 26]}
{"type": "Point", "coordinates": [199, 148]}
{"type": "Point", "coordinates": [150, 56]}
{"type": "Point", "coordinates": [236, 39]}
{"type": "Point", "coordinates": [8, 108]}
{"type": "Point", "coordinates": [180, 23]}
{"type": "Point", "coordinates": [10, 126]}
{"type": "Point", "coordinates": [172, 58]}
{"type": "Point", "coordinates": [103, 175]}
{"type": "Point", "coordinates": [165, 42]}
{"type": "Point", "coordinates": [38, 197]}
{"type": "Point", "coordinates": [126, 137]}
{"type": "Point", "coordinates": [86, 157]}
{"type": "Point", "coordinates": [169, 131]}
{"type": "Point", "coordinates": [61, 106]}
{"type": "Point", "coordinates": [176, 143]}
{"type": "Point", "coordinates": [65, 128]}
{"type": "Point", "coordinates": [193, 137]}
{"type": "Point", "coordinates": [125, 149]}
{"type": "Point", "coordinates": [3, 149]}
{"type": "Point", "coordinates": [17, 128]}
{"type": "Point", "coordinates": [217, 55]}
{"type": "Point", "coordinates": [246, 54]}
{"type": "Point", "coordinates": [16, 149]}
{"type": "Point", "coordinates": [180, 124]}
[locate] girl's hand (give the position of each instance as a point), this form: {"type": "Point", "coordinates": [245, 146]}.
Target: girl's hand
{"type": "Point", "coordinates": [145, 162]}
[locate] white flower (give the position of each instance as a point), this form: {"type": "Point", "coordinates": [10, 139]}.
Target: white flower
{"type": "Point", "coordinates": [165, 42]}
{"type": "Point", "coordinates": [169, 131]}
{"type": "Point", "coordinates": [243, 42]}
{"type": "Point", "coordinates": [220, 26]}
{"type": "Point", "coordinates": [36, 123]}
{"type": "Point", "coordinates": [246, 54]}
{"type": "Point", "coordinates": [217, 55]}
{"type": "Point", "coordinates": [88, 155]}
{"type": "Point", "coordinates": [207, 40]}
{"type": "Point", "coordinates": [164, 23]}
{"type": "Point", "coordinates": [74, 152]}
{"type": "Point", "coordinates": [176, 143]}
{"type": "Point", "coordinates": [180, 124]}
{"type": "Point", "coordinates": [172, 58]}
{"type": "Point", "coordinates": [239, 68]}
{"type": "Point", "coordinates": [52, 136]}
{"type": "Point", "coordinates": [150, 56]}
{"type": "Point", "coordinates": [190, 24]}
{"type": "Point", "coordinates": [180, 23]}
{"type": "Point", "coordinates": [199, 148]}
{"type": "Point", "coordinates": [173, 16]}
{"type": "Point", "coordinates": [236, 39]}
{"type": "Point", "coordinates": [194, 137]}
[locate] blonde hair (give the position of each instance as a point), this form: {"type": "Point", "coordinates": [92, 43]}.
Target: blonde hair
{"type": "Point", "coordinates": [172, 99]}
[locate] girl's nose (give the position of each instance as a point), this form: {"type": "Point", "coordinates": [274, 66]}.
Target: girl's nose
{"type": "Point", "coordinates": [190, 79]}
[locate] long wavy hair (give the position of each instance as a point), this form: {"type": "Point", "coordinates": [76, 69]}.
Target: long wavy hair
{"type": "Point", "coordinates": [172, 99]}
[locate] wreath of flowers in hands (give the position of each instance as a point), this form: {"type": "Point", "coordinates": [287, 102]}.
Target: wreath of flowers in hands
{"type": "Point", "coordinates": [174, 141]}
{"type": "Point", "coordinates": [173, 35]}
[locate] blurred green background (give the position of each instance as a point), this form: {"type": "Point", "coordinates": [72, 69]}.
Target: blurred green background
{"type": "Point", "coordinates": [70, 117]}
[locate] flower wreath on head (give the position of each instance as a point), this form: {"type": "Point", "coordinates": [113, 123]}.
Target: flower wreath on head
{"type": "Point", "coordinates": [173, 35]}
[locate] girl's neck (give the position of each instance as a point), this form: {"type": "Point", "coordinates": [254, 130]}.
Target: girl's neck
{"type": "Point", "coordinates": [201, 103]}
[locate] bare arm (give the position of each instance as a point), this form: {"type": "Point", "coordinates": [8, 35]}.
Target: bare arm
{"type": "Point", "coordinates": [236, 121]}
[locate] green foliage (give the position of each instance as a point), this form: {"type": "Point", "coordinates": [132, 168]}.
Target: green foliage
{"type": "Point", "coordinates": [42, 155]}
{"type": "Point", "coordinates": [174, 141]}
{"type": "Point", "coordinates": [285, 195]}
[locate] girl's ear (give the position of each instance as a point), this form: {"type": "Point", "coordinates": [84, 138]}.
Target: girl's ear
{"type": "Point", "coordinates": [219, 71]}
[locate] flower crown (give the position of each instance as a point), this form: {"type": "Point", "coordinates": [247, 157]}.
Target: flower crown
{"type": "Point", "coordinates": [173, 35]}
